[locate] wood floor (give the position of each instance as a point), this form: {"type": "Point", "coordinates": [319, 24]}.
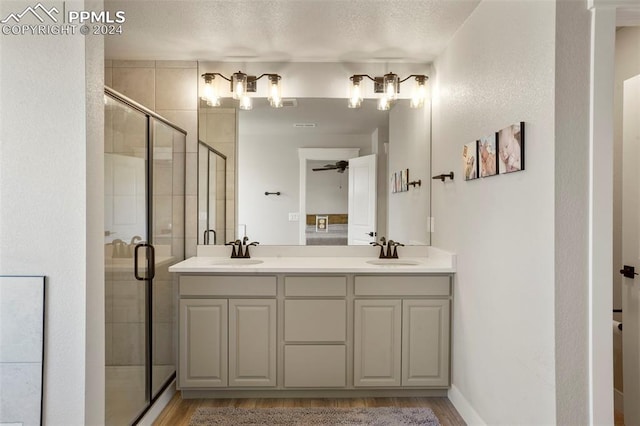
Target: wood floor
{"type": "Point", "coordinates": [179, 411]}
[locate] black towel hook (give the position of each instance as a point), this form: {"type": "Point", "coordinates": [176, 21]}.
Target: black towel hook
{"type": "Point", "coordinates": [443, 176]}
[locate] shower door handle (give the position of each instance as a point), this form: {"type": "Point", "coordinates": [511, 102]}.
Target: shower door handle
{"type": "Point", "coordinates": [206, 236]}
{"type": "Point", "coordinates": [151, 262]}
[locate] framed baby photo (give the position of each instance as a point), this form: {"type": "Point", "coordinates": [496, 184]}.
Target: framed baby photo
{"type": "Point", "coordinates": [487, 155]}
{"type": "Point", "coordinates": [470, 161]}
{"type": "Point", "coordinates": [404, 180]}
{"type": "Point", "coordinates": [511, 149]}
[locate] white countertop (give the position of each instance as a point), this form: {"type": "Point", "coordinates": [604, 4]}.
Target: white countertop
{"type": "Point", "coordinates": [299, 264]}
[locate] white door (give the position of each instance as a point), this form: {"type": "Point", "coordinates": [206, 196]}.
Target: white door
{"type": "Point", "coordinates": [362, 200]}
{"type": "Point", "coordinates": [631, 250]}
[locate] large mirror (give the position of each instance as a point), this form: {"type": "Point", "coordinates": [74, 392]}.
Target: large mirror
{"type": "Point", "coordinates": [318, 173]}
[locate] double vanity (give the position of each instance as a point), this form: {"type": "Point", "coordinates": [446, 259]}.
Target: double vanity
{"type": "Point", "coordinates": [314, 321]}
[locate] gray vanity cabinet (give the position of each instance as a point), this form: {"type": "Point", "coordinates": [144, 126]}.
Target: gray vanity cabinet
{"type": "Point", "coordinates": [203, 343]}
{"type": "Point", "coordinates": [314, 334]}
{"type": "Point", "coordinates": [227, 341]}
{"type": "Point", "coordinates": [401, 341]}
{"type": "Point", "coordinates": [252, 342]}
{"type": "Point", "coordinates": [377, 342]}
{"type": "Point", "coordinates": [425, 342]}
{"type": "Point", "coordinates": [315, 331]}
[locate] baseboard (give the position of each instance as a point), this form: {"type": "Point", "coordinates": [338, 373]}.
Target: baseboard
{"type": "Point", "coordinates": [618, 400]}
{"type": "Point", "coordinates": [311, 393]}
{"type": "Point", "coordinates": [464, 408]}
{"type": "Point", "coordinates": [158, 406]}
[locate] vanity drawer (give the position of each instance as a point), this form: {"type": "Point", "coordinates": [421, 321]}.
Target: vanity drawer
{"type": "Point", "coordinates": [315, 320]}
{"type": "Point", "coordinates": [315, 286]}
{"type": "Point", "coordinates": [227, 285]}
{"type": "Point", "coordinates": [315, 366]}
{"type": "Point", "coordinates": [432, 285]}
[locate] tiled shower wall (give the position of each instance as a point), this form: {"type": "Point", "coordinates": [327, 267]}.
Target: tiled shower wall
{"type": "Point", "coordinates": [169, 88]}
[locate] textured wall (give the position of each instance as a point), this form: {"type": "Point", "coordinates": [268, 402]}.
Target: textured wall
{"type": "Point", "coordinates": [47, 202]}
{"type": "Point", "coordinates": [572, 84]}
{"type": "Point", "coordinates": [497, 70]}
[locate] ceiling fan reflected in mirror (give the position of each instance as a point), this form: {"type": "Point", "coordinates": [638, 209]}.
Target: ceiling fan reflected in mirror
{"type": "Point", "coordinates": [339, 166]}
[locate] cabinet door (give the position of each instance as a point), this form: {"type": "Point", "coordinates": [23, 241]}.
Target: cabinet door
{"type": "Point", "coordinates": [203, 343]}
{"type": "Point", "coordinates": [377, 342]}
{"type": "Point", "coordinates": [252, 342]}
{"type": "Point", "coordinates": [425, 343]}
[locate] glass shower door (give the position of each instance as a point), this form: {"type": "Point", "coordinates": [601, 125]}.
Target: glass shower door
{"type": "Point", "coordinates": [126, 224]}
{"type": "Point", "coordinates": [168, 239]}
{"type": "Point", "coordinates": [144, 236]}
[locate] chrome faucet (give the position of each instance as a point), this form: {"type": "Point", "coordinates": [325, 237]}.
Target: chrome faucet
{"type": "Point", "coordinates": [392, 248]}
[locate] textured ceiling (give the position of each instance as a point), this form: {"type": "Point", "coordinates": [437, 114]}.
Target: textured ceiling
{"type": "Point", "coordinates": [287, 30]}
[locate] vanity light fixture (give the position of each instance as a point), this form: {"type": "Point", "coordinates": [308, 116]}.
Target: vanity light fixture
{"type": "Point", "coordinates": [241, 85]}
{"type": "Point", "coordinates": [388, 86]}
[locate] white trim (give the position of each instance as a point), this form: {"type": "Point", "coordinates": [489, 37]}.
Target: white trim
{"type": "Point", "coordinates": [464, 408]}
{"type": "Point", "coordinates": [603, 27]}
{"type": "Point", "coordinates": [329, 154]}
{"type": "Point", "coordinates": [160, 404]}
{"type": "Point", "coordinates": [603, 23]}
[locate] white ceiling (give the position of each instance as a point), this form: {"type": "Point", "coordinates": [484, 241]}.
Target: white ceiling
{"type": "Point", "coordinates": [287, 30]}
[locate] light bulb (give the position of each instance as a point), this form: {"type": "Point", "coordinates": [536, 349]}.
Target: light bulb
{"type": "Point", "coordinates": [390, 89]}
{"type": "Point", "coordinates": [246, 103]}
{"type": "Point", "coordinates": [239, 85]}
{"type": "Point", "coordinates": [210, 94]}
{"type": "Point", "coordinates": [355, 92]}
{"type": "Point", "coordinates": [275, 91]}
{"type": "Point", "coordinates": [419, 93]}
{"type": "Point", "coordinates": [383, 104]}
{"type": "Point", "coordinates": [391, 84]}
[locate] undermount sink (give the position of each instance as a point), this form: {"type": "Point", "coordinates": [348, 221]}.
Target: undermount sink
{"type": "Point", "coordinates": [393, 262]}
{"type": "Point", "coordinates": [237, 262]}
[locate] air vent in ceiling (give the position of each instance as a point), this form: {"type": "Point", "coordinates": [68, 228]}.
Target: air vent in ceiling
{"type": "Point", "coordinates": [289, 103]}
{"type": "Point", "coordinates": [304, 125]}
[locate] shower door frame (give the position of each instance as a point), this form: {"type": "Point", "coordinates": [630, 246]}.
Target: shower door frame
{"type": "Point", "coordinates": [207, 227]}
{"type": "Point", "coordinates": [151, 117]}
